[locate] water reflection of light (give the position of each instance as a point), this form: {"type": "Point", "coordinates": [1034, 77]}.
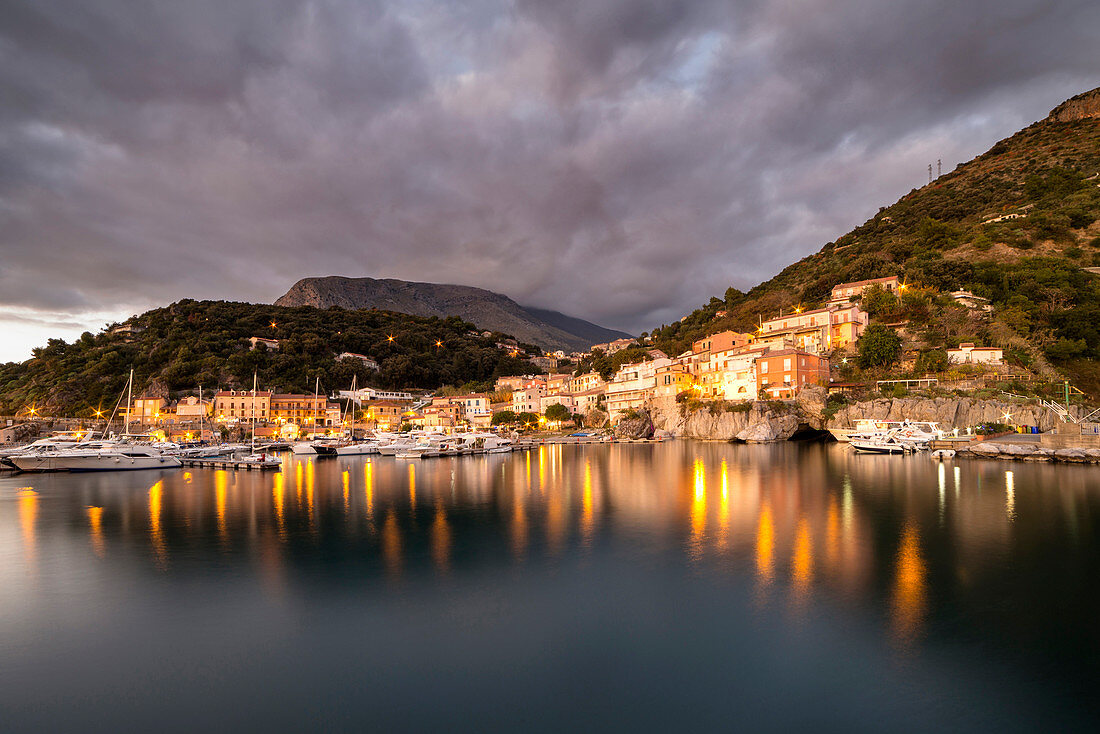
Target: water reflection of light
{"type": "Point", "coordinates": [187, 477]}
{"type": "Point", "coordinates": [847, 507]}
{"type": "Point", "coordinates": [441, 539]}
{"type": "Point", "coordinates": [368, 480]}
{"type": "Point", "coordinates": [156, 533]}
{"type": "Point", "coordinates": [391, 544]}
{"type": "Point", "coordinates": [909, 587]}
{"type": "Point", "coordinates": [943, 488]}
{"type": "Point", "coordinates": [832, 534]}
{"type": "Point", "coordinates": [724, 507]}
{"type": "Point", "coordinates": [298, 483]}
{"type": "Point", "coordinates": [802, 562]}
{"type": "Point", "coordinates": [1010, 495]}
{"type": "Point", "coordinates": [221, 487]}
{"type": "Point", "coordinates": [587, 514]}
{"type": "Point", "coordinates": [958, 479]}
{"type": "Point", "coordinates": [699, 506]}
{"type": "Point", "coordinates": [28, 515]}
{"type": "Point", "coordinates": [346, 477]}
{"type": "Point", "coordinates": [765, 542]}
{"type": "Point", "coordinates": [412, 487]}
{"type": "Point", "coordinates": [309, 489]}
{"type": "Point", "coordinates": [519, 529]}
{"type": "Point", "coordinates": [542, 468]}
{"type": "Point", "coordinates": [278, 496]}
{"type": "Point", "coordinates": [95, 529]}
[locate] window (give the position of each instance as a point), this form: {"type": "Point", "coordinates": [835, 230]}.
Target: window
{"type": "Point", "coordinates": [786, 364]}
{"type": "Point", "coordinates": [764, 367]}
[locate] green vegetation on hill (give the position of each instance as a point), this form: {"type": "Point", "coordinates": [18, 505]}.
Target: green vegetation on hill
{"type": "Point", "coordinates": [939, 239]}
{"type": "Point", "coordinates": [206, 342]}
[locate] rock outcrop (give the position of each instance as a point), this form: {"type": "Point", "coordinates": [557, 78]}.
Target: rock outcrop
{"type": "Point", "coordinates": [757, 422]}
{"type": "Point", "coordinates": [639, 426]}
{"type": "Point", "coordinates": [762, 421]}
{"type": "Point", "coordinates": [948, 412]}
{"type": "Point", "coordinates": [1079, 107]}
{"type": "Point", "coordinates": [1029, 452]}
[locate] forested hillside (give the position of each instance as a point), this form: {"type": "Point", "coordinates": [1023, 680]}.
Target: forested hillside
{"type": "Point", "coordinates": [1042, 186]}
{"type": "Point", "coordinates": [192, 343]}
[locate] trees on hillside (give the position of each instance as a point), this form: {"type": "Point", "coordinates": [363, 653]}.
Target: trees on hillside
{"type": "Point", "coordinates": [880, 346]}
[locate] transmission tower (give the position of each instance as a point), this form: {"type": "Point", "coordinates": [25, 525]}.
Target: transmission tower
{"type": "Point", "coordinates": [939, 168]}
{"type": "Point", "coordinates": [929, 173]}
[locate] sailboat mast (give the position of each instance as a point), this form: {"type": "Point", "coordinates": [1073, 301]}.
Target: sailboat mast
{"type": "Point", "coordinates": [253, 412]}
{"type": "Point", "coordinates": [129, 403]}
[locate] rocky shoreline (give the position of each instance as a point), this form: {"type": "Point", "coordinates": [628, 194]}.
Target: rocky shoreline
{"type": "Point", "coordinates": [767, 421]}
{"type": "Point", "coordinates": [1027, 452]}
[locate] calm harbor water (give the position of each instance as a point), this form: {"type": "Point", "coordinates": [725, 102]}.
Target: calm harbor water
{"type": "Point", "coordinates": [683, 586]}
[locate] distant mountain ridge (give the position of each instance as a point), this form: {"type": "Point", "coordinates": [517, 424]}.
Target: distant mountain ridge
{"type": "Point", "coordinates": [488, 310]}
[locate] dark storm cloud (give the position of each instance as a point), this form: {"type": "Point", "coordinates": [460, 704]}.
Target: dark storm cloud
{"type": "Point", "coordinates": [620, 160]}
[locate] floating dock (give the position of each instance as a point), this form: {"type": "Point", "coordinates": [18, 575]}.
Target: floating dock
{"type": "Point", "coordinates": [239, 464]}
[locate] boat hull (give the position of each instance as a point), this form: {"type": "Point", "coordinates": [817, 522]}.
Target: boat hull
{"type": "Point", "coordinates": [878, 449]}
{"type": "Point", "coordinates": [109, 462]}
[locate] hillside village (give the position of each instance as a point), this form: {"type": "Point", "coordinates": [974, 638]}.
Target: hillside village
{"type": "Point", "coordinates": [787, 353]}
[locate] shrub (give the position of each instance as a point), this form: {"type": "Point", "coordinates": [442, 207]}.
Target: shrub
{"type": "Point", "coordinates": [880, 346]}
{"type": "Point", "coordinates": [934, 360]}
{"type": "Point", "coordinates": [1073, 252]}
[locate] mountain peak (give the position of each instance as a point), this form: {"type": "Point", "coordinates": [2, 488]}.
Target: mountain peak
{"type": "Point", "coordinates": [488, 310]}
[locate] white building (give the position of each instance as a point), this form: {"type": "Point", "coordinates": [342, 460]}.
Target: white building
{"type": "Point", "coordinates": [967, 353]}
{"type": "Point", "coordinates": [369, 393]}
{"type": "Point", "coordinates": [369, 363]}
{"type": "Point", "coordinates": [527, 399]}
{"type": "Point", "coordinates": [633, 386]}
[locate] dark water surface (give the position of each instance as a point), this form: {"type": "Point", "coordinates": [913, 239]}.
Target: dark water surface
{"type": "Point", "coordinates": [680, 587]}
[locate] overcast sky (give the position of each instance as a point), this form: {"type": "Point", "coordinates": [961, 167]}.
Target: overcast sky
{"type": "Point", "coordinates": [621, 161]}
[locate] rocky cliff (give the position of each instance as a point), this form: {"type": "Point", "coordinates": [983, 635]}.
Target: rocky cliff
{"type": "Point", "coordinates": [1080, 107]}
{"type": "Point", "coordinates": [763, 421]}
{"type": "Point", "coordinates": [948, 412]}
{"type": "Point", "coordinates": [760, 422]}
{"type": "Point", "coordinates": [492, 311]}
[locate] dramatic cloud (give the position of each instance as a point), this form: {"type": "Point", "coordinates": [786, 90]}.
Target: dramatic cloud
{"type": "Point", "coordinates": [620, 160]}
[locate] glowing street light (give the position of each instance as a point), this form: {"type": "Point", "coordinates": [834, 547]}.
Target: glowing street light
{"type": "Point", "coordinates": [438, 343]}
{"type": "Point", "coordinates": [389, 338]}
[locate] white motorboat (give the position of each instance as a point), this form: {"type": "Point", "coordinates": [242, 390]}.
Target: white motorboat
{"type": "Point", "coordinates": [96, 457]}
{"type": "Point", "coordinates": [358, 448]}
{"type": "Point", "coordinates": [866, 428]}
{"type": "Point", "coordinates": [886, 443]}
{"type": "Point", "coordinates": [392, 445]}
{"type": "Point", "coordinates": [318, 447]}
{"type": "Point", "coordinates": [430, 446]}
